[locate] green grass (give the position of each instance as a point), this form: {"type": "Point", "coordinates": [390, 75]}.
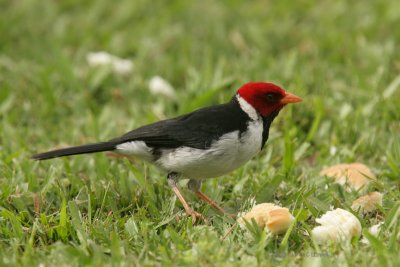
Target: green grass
{"type": "Point", "coordinates": [342, 57]}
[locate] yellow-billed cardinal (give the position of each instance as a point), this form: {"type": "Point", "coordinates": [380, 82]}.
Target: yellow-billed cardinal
{"type": "Point", "coordinates": [205, 143]}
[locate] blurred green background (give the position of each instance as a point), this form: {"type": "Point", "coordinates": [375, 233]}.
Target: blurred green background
{"type": "Point", "coordinates": [341, 56]}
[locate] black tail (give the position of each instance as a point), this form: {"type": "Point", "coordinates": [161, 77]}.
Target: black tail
{"type": "Point", "coordinates": [75, 150]}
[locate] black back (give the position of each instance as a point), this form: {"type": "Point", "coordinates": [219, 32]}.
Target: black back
{"type": "Point", "coordinates": [197, 129]}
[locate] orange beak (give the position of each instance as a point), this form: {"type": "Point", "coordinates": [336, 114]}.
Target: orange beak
{"type": "Point", "coordinates": [290, 98]}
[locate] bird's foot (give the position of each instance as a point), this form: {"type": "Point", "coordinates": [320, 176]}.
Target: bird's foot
{"type": "Point", "coordinates": [213, 204]}
{"type": "Point", "coordinates": [196, 215]}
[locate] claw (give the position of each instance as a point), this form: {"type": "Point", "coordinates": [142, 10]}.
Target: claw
{"type": "Point", "coordinates": [196, 215]}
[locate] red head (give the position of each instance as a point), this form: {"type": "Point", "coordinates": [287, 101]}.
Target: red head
{"type": "Point", "coordinates": [266, 97]}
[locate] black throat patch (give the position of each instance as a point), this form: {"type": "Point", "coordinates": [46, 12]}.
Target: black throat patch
{"type": "Point", "coordinates": [266, 125]}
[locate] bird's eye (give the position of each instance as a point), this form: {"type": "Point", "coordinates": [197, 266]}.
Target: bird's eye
{"type": "Point", "coordinates": [271, 97]}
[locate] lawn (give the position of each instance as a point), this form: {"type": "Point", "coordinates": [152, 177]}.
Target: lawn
{"type": "Point", "coordinates": [342, 57]}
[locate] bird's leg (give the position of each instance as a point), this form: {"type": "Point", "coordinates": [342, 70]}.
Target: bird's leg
{"type": "Point", "coordinates": [194, 185]}
{"type": "Point", "coordinates": [172, 182]}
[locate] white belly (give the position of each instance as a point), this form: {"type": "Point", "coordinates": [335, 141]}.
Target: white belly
{"type": "Point", "coordinates": [224, 156]}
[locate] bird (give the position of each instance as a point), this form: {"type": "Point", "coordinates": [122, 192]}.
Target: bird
{"type": "Point", "coordinates": [206, 143]}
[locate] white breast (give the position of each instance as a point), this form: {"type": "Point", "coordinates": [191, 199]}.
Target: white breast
{"type": "Point", "coordinates": [224, 155]}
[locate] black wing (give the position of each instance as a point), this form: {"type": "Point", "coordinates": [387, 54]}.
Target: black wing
{"type": "Point", "coordinates": [197, 129]}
